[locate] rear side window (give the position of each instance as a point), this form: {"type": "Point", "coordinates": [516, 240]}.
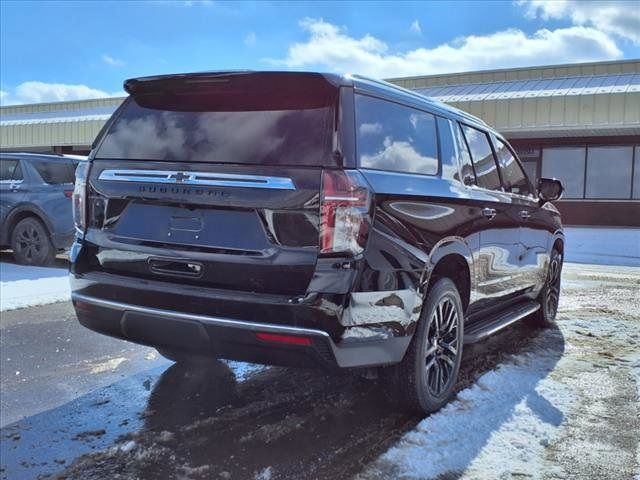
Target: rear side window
{"type": "Point", "coordinates": [395, 138]}
{"type": "Point", "coordinates": [54, 173]}
{"type": "Point", "coordinates": [513, 178]}
{"type": "Point", "coordinates": [468, 176]}
{"type": "Point", "coordinates": [483, 160]}
{"type": "Point", "coordinates": [448, 150]}
{"type": "Point", "coordinates": [284, 120]}
{"type": "Point", "coordinates": [6, 169]}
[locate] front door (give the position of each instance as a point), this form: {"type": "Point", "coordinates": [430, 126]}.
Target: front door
{"type": "Point", "coordinates": [533, 231]}
{"type": "Point", "coordinates": [498, 258]}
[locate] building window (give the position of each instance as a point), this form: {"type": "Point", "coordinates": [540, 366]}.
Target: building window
{"type": "Point", "coordinates": [636, 173]}
{"type": "Point", "coordinates": [609, 172]}
{"type": "Point", "coordinates": [567, 165]}
{"type": "Point", "coordinates": [394, 137]}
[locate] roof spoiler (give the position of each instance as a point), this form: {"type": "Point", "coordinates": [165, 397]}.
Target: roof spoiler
{"type": "Point", "coordinates": [155, 83]}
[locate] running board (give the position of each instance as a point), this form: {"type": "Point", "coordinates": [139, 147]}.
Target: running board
{"type": "Point", "coordinates": [484, 328]}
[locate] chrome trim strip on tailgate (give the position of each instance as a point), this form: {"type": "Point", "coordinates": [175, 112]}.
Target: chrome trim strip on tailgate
{"type": "Point", "coordinates": [205, 179]}
{"type": "Point", "coordinates": [217, 321]}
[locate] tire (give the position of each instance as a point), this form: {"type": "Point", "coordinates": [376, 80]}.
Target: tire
{"type": "Point", "coordinates": [427, 376]}
{"type": "Point", "coordinates": [549, 296]}
{"type": "Point", "coordinates": [31, 243]}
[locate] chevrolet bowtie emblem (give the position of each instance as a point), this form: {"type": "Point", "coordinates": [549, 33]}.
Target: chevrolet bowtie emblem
{"type": "Point", "coordinates": [180, 177]}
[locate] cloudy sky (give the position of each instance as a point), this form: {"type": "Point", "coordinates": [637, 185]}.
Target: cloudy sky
{"type": "Point", "coordinates": [51, 51]}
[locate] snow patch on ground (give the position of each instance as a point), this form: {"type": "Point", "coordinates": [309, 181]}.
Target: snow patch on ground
{"type": "Point", "coordinates": [22, 286]}
{"type": "Point", "coordinates": [243, 370]}
{"type": "Point", "coordinates": [603, 246]}
{"type": "Point", "coordinates": [512, 412]}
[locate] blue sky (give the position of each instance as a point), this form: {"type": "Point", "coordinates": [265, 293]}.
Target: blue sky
{"type": "Point", "coordinates": [68, 50]}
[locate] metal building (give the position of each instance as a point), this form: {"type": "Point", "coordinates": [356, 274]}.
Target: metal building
{"type": "Point", "coordinates": [579, 123]}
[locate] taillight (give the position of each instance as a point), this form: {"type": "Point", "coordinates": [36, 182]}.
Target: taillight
{"type": "Point", "coordinates": [80, 197]}
{"type": "Point", "coordinates": [345, 212]}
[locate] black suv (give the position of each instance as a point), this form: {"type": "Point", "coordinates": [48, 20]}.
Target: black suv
{"type": "Point", "coordinates": [310, 219]}
{"type": "Point", "coordinates": [35, 205]}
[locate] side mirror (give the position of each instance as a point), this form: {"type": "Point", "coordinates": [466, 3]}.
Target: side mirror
{"type": "Point", "coordinates": [550, 189]}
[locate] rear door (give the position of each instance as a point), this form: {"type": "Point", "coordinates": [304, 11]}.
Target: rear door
{"type": "Point", "coordinates": [215, 181]}
{"type": "Point", "coordinates": [11, 192]}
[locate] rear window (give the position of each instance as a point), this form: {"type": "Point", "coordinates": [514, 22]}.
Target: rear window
{"type": "Point", "coordinates": [55, 173]}
{"type": "Point", "coordinates": [276, 125]}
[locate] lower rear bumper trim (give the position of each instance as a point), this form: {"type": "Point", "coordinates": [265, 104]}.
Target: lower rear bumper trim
{"type": "Point", "coordinates": [186, 330]}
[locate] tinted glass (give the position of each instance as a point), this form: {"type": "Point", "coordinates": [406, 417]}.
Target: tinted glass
{"type": "Point", "coordinates": [54, 172]}
{"type": "Point", "coordinates": [513, 177]}
{"type": "Point", "coordinates": [394, 137]}
{"type": "Point", "coordinates": [567, 165]}
{"type": "Point", "coordinates": [17, 173]}
{"type": "Point", "coordinates": [448, 150]}
{"type": "Point", "coordinates": [609, 172]}
{"type": "Point", "coordinates": [466, 168]}
{"type": "Point", "coordinates": [231, 130]}
{"type": "Point", "coordinates": [636, 174]}
{"type": "Point", "coordinates": [482, 157]}
{"type": "Point", "coordinates": [6, 169]}
{"type": "Point", "coordinates": [532, 171]}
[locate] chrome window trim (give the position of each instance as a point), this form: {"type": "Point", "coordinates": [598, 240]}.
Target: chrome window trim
{"type": "Point", "coordinates": [204, 179]}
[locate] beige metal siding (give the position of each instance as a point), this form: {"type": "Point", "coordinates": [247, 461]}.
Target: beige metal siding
{"type": "Point", "coordinates": [578, 70]}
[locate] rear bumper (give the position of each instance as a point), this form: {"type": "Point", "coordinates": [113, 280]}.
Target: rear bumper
{"type": "Point", "coordinates": [230, 338]}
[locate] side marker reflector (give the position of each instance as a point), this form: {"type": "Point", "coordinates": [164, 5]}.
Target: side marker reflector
{"type": "Point", "coordinates": [288, 339]}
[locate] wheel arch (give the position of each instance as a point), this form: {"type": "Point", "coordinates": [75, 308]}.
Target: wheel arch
{"type": "Point", "coordinates": [19, 213]}
{"type": "Point", "coordinates": [452, 258]}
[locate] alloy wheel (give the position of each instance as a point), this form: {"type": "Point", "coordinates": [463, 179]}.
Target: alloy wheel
{"type": "Point", "coordinates": [30, 242]}
{"type": "Point", "coordinates": [553, 286]}
{"type": "Point", "coordinates": [442, 347]}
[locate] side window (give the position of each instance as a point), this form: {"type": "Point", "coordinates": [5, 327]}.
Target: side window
{"type": "Point", "coordinates": [7, 168]}
{"type": "Point", "coordinates": [513, 178]}
{"type": "Point", "coordinates": [394, 137]}
{"type": "Point", "coordinates": [482, 156]}
{"type": "Point", "coordinates": [448, 150]}
{"type": "Point", "coordinates": [17, 173]}
{"type": "Point", "coordinates": [466, 167]}
{"type": "Point", "coordinates": [54, 172]}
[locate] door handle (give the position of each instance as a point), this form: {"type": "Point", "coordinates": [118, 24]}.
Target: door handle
{"type": "Point", "coordinates": [525, 215]}
{"type": "Point", "coordinates": [14, 187]}
{"type": "Point", "coordinates": [489, 212]}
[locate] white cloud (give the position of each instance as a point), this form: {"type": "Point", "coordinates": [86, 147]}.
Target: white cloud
{"type": "Point", "coordinates": [415, 27]}
{"type": "Point", "coordinates": [330, 46]}
{"type": "Point", "coordinates": [250, 39]}
{"type": "Point", "coordinates": [112, 61]}
{"type": "Point", "coordinates": [39, 92]}
{"type": "Point", "coordinates": [621, 18]}
{"type": "Point", "coordinates": [370, 128]}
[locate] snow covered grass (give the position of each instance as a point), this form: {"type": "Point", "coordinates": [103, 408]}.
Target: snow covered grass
{"type": "Point", "coordinates": [603, 246]}
{"type": "Point", "coordinates": [512, 412]}
{"type": "Point", "coordinates": [22, 286]}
